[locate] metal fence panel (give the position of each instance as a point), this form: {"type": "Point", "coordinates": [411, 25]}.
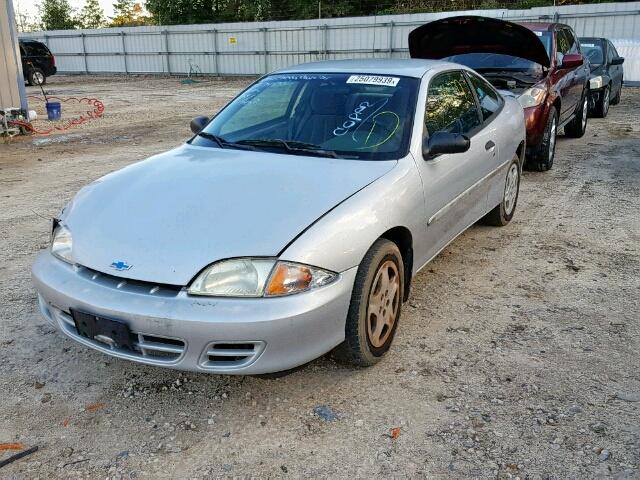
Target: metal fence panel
{"type": "Point", "coordinates": [260, 47]}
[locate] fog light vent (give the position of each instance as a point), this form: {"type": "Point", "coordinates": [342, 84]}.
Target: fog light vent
{"type": "Point", "coordinates": [231, 355]}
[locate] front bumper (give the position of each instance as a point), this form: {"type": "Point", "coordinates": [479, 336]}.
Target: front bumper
{"type": "Point", "coordinates": [175, 330]}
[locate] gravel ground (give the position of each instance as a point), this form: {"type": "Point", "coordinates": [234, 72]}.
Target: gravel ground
{"type": "Point", "coordinates": [516, 357]}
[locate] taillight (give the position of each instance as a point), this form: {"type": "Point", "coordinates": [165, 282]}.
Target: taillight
{"type": "Point", "coordinates": [53, 60]}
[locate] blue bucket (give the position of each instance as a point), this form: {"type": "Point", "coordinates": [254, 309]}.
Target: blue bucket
{"type": "Point", "coordinates": [54, 110]}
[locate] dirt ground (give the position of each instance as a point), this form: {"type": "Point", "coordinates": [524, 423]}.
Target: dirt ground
{"type": "Point", "coordinates": [517, 355]}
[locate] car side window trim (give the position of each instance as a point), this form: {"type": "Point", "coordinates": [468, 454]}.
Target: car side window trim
{"type": "Point", "coordinates": [493, 116]}
{"type": "Point", "coordinates": [472, 131]}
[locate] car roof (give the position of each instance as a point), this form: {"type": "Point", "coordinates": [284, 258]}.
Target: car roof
{"type": "Point", "coordinates": [542, 26]}
{"type": "Point", "coordinates": [30, 42]}
{"type": "Point", "coordinates": [403, 67]}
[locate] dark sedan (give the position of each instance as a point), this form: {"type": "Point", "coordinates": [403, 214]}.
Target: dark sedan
{"type": "Point", "coordinates": [606, 74]}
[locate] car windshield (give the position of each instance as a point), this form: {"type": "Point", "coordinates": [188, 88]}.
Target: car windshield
{"type": "Point", "coordinates": [592, 49]}
{"type": "Point", "coordinates": [496, 61]}
{"type": "Point", "coordinates": [357, 116]}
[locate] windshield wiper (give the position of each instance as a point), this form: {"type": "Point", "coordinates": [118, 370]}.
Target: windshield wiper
{"type": "Point", "coordinates": [222, 143]}
{"type": "Point", "coordinates": [290, 146]}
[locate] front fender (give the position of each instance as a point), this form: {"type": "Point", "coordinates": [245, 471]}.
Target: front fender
{"type": "Point", "coordinates": [340, 239]}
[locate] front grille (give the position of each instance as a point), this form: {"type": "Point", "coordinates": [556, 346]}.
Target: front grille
{"type": "Point", "coordinates": [145, 346]}
{"type": "Point", "coordinates": [230, 355]}
{"type": "Point", "coordinates": [128, 285]}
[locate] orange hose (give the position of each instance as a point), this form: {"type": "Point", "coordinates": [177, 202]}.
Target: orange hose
{"type": "Point", "coordinates": [98, 110]}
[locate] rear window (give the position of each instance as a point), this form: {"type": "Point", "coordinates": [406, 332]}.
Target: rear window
{"type": "Point", "coordinates": [35, 49]}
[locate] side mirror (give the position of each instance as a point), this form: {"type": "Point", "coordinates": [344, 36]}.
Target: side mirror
{"type": "Point", "coordinates": [617, 61]}
{"type": "Point", "coordinates": [572, 60]}
{"type": "Point", "coordinates": [444, 142]}
{"type": "Point", "coordinates": [198, 123]}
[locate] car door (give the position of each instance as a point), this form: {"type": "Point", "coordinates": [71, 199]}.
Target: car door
{"type": "Point", "coordinates": [564, 77]}
{"type": "Point", "coordinates": [454, 196]}
{"type": "Point", "coordinates": [579, 75]}
{"type": "Point", "coordinates": [615, 71]}
{"type": "Point", "coordinates": [491, 104]}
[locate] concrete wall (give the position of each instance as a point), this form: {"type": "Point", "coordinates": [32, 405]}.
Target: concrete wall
{"type": "Point", "coordinates": [12, 92]}
{"type": "Point", "coordinates": [260, 47]}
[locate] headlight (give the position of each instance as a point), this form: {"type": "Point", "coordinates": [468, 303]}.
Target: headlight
{"type": "Point", "coordinates": [596, 82]}
{"type": "Point", "coordinates": [257, 277]}
{"type": "Point", "coordinates": [532, 97]}
{"type": "Point", "coordinates": [61, 243]}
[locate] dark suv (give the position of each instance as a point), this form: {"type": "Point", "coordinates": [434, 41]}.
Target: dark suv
{"type": "Point", "coordinates": [38, 62]}
{"type": "Point", "coordinates": [539, 63]}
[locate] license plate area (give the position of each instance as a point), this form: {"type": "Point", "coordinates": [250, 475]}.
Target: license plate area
{"type": "Point", "coordinates": [111, 333]}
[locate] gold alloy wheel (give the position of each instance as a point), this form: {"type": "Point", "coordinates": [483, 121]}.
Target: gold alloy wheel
{"type": "Point", "coordinates": [384, 299]}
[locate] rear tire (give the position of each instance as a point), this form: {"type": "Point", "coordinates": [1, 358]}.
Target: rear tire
{"type": "Point", "coordinates": [576, 127]}
{"type": "Point", "coordinates": [376, 305]}
{"type": "Point", "coordinates": [602, 107]}
{"type": "Point", "coordinates": [36, 77]}
{"type": "Point", "coordinates": [502, 214]}
{"type": "Point", "coordinates": [541, 157]}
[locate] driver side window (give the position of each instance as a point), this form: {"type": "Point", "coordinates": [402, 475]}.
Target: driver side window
{"type": "Point", "coordinates": [451, 106]}
{"type": "Point", "coordinates": [562, 45]}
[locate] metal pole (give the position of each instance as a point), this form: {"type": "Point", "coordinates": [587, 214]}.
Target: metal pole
{"type": "Point", "coordinates": [390, 39]}
{"type": "Point", "coordinates": [84, 54]}
{"type": "Point", "coordinates": [325, 40]}
{"type": "Point", "coordinates": [13, 34]}
{"type": "Point", "coordinates": [264, 49]}
{"type": "Point", "coordinates": [215, 52]}
{"type": "Point", "coordinates": [124, 52]}
{"type": "Point", "coordinates": [166, 49]}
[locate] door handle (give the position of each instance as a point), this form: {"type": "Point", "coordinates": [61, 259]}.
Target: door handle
{"type": "Point", "coordinates": [489, 146]}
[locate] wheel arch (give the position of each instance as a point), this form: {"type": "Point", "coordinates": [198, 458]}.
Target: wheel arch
{"type": "Point", "coordinates": [520, 152]}
{"type": "Point", "coordinates": [403, 239]}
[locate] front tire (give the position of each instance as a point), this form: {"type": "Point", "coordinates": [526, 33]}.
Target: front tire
{"type": "Point", "coordinates": [602, 107]}
{"type": "Point", "coordinates": [576, 127]}
{"type": "Point", "coordinates": [376, 304]}
{"type": "Point", "coordinates": [502, 214]}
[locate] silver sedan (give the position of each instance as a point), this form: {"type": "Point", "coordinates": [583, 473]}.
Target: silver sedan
{"type": "Point", "coordinates": [290, 224]}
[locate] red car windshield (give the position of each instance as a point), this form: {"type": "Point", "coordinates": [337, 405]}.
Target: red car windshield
{"type": "Point", "coordinates": [495, 61]}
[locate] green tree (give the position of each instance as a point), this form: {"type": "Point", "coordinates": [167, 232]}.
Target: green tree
{"type": "Point", "coordinates": [129, 14]}
{"type": "Point", "coordinates": [92, 15]}
{"type": "Point", "coordinates": [57, 15]}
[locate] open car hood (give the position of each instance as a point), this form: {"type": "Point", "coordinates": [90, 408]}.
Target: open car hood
{"type": "Point", "coordinates": [472, 34]}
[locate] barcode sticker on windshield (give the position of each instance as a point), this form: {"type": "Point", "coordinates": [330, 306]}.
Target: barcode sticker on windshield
{"type": "Point", "coordinates": [374, 80]}
{"type": "Point", "coordinates": [539, 34]}
{"type": "Point", "coordinates": [588, 45]}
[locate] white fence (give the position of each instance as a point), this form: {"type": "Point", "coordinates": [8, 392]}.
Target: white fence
{"type": "Point", "coordinates": [260, 47]}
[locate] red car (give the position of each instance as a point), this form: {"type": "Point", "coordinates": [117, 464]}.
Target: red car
{"type": "Point", "coordinates": [539, 63]}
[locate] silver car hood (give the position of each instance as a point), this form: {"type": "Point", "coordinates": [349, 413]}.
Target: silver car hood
{"type": "Point", "coordinates": [170, 216]}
